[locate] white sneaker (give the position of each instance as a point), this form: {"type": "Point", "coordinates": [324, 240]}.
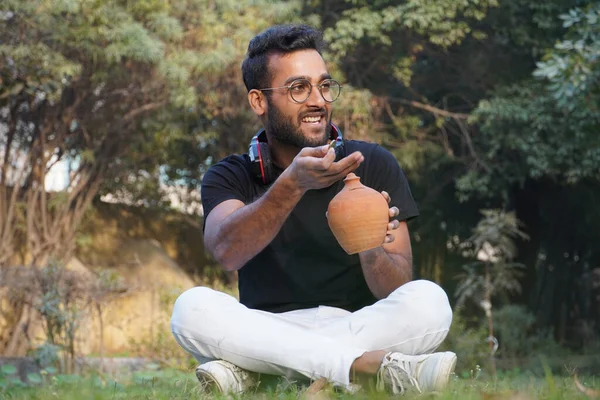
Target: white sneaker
{"type": "Point", "coordinates": [425, 373]}
{"type": "Point", "coordinates": [224, 377]}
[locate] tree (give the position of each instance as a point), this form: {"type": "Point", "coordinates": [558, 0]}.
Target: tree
{"type": "Point", "coordinates": [571, 66]}
{"type": "Point", "coordinates": [493, 274]}
{"type": "Point", "coordinates": [112, 89]}
{"type": "Point", "coordinates": [539, 139]}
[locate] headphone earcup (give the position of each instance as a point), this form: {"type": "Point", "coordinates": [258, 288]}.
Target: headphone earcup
{"type": "Point", "coordinates": [260, 159]}
{"type": "Point", "coordinates": [265, 155]}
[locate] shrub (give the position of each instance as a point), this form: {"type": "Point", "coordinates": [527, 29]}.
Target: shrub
{"type": "Point", "coordinates": [467, 338]}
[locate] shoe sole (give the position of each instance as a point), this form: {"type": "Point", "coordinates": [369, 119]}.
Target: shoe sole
{"type": "Point", "coordinates": [208, 383]}
{"type": "Point", "coordinates": [449, 363]}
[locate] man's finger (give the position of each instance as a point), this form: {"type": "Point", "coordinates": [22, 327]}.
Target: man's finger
{"type": "Point", "coordinates": [395, 224]}
{"type": "Point", "coordinates": [386, 196]}
{"type": "Point", "coordinates": [345, 165]}
{"type": "Point", "coordinates": [394, 212]}
{"type": "Point", "coordinates": [353, 158]}
{"type": "Point", "coordinates": [319, 151]}
{"type": "Point", "coordinates": [318, 163]}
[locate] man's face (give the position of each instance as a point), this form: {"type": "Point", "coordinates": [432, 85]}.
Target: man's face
{"type": "Point", "coordinates": [299, 125]}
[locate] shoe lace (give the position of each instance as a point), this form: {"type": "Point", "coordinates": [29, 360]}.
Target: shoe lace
{"type": "Point", "coordinates": [398, 373]}
{"type": "Point", "coordinates": [241, 376]}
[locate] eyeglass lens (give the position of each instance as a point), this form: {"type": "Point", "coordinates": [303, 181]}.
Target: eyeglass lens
{"type": "Point", "coordinates": [300, 90]}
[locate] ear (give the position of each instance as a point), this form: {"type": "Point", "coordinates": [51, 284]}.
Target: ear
{"type": "Point", "coordinates": [258, 102]}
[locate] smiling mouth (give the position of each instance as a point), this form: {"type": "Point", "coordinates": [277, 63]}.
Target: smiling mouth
{"type": "Point", "coordinates": [312, 120]}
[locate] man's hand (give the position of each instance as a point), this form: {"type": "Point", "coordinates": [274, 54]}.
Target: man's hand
{"type": "Point", "coordinates": [394, 224]}
{"type": "Point", "coordinates": [315, 167]}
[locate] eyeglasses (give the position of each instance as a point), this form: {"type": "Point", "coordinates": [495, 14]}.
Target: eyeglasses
{"type": "Point", "coordinates": [300, 90]}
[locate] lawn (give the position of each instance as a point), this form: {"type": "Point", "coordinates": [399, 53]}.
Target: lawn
{"type": "Point", "coordinates": [175, 384]}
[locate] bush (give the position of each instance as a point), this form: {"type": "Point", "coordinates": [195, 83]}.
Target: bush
{"type": "Point", "coordinates": [514, 328]}
{"type": "Point", "coordinates": [522, 346]}
{"type": "Point", "coordinates": [467, 338]}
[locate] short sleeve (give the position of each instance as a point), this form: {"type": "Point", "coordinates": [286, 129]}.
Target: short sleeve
{"type": "Point", "coordinates": [226, 180]}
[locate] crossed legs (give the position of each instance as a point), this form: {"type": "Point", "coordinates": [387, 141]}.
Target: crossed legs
{"type": "Point", "coordinates": [322, 342]}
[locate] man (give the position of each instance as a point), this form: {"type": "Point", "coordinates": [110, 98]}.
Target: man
{"type": "Point", "coordinates": [307, 309]}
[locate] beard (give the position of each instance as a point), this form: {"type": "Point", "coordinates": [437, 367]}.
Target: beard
{"type": "Point", "coordinates": [286, 132]}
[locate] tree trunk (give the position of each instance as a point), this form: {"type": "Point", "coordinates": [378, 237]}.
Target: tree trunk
{"type": "Point", "coordinates": [527, 207]}
{"type": "Point", "coordinates": [559, 220]}
{"type": "Point", "coordinates": [18, 335]}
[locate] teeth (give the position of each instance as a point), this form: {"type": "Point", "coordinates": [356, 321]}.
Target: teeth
{"type": "Point", "coordinates": [311, 119]}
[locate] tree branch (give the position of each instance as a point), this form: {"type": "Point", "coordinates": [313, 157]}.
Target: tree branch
{"type": "Point", "coordinates": [470, 146]}
{"type": "Point", "coordinates": [142, 109]}
{"type": "Point", "coordinates": [431, 109]}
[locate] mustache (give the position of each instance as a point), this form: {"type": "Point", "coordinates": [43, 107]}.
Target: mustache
{"type": "Point", "coordinates": [321, 111]}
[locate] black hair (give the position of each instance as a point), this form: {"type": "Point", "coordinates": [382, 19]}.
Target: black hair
{"type": "Point", "coordinates": [276, 39]}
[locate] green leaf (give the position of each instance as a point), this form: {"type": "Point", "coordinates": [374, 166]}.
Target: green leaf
{"type": "Point", "coordinates": [51, 370]}
{"type": "Point", "coordinates": [8, 369]}
{"type": "Point", "coordinates": [34, 378]}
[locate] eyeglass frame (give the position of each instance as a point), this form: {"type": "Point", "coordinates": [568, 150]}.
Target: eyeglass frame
{"type": "Point", "coordinates": [319, 86]}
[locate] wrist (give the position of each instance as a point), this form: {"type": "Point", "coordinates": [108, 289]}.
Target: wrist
{"type": "Point", "coordinates": [290, 184]}
{"type": "Point", "coordinates": [369, 256]}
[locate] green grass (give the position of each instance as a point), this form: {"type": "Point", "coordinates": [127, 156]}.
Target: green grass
{"type": "Point", "coordinates": [173, 384]}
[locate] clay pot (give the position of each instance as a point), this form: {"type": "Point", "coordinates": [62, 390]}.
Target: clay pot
{"type": "Point", "coordinates": [358, 216]}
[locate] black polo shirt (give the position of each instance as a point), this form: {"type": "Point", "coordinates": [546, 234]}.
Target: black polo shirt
{"type": "Point", "coordinates": [304, 266]}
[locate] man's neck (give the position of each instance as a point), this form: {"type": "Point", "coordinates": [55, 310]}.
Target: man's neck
{"type": "Point", "coordinates": [282, 154]}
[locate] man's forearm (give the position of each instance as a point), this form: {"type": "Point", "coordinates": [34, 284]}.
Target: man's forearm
{"type": "Point", "coordinates": [248, 230]}
{"type": "Point", "coordinates": [385, 272]}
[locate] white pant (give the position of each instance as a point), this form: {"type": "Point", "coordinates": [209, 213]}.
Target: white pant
{"type": "Point", "coordinates": [316, 343]}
